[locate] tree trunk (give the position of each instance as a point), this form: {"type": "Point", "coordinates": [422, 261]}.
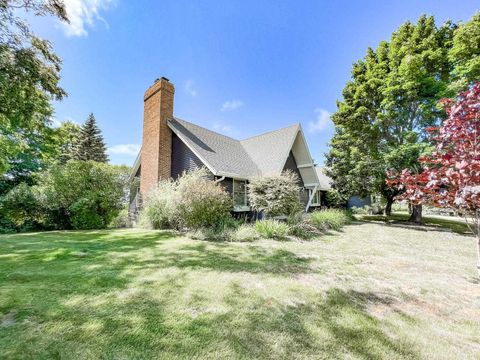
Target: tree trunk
{"type": "Point", "coordinates": [388, 207]}
{"type": "Point", "coordinates": [416, 215]}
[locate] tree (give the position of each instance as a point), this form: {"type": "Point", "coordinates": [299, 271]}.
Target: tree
{"type": "Point", "coordinates": [90, 144]}
{"type": "Point", "coordinates": [451, 174]}
{"type": "Point", "coordinates": [66, 137]}
{"type": "Point", "coordinates": [465, 54]}
{"type": "Point", "coordinates": [387, 106]}
{"type": "Point", "coordinates": [29, 77]}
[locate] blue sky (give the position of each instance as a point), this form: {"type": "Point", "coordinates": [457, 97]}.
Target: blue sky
{"type": "Point", "coordinates": [239, 67]}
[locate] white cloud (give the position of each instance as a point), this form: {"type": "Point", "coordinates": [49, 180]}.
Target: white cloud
{"type": "Point", "coordinates": [231, 105]}
{"type": "Point", "coordinates": [83, 14]}
{"type": "Point", "coordinates": [222, 127]}
{"type": "Point", "coordinates": [125, 149]}
{"type": "Point", "coordinates": [189, 88]}
{"type": "Point", "coordinates": [322, 121]}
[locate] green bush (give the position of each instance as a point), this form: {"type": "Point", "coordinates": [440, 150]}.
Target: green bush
{"type": "Point", "coordinates": [300, 226]}
{"type": "Point", "coordinates": [78, 195]}
{"type": "Point", "coordinates": [191, 202]}
{"type": "Point", "coordinates": [122, 220]}
{"type": "Point", "coordinates": [85, 215]}
{"type": "Point", "coordinates": [329, 219]}
{"type": "Point", "coordinates": [271, 229]}
{"type": "Point", "coordinates": [275, 195]}
{"type": "Point", "coordinates": [335, 199]}
{"type": "Point", "coordinates": [21, 208]}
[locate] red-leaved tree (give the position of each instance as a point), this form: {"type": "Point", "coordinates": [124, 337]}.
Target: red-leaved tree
{"type": "Point", "coordinates": [451, 174]}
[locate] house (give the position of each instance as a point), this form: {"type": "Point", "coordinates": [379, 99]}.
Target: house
{"type": "Point", "coordinates": [172, 145]}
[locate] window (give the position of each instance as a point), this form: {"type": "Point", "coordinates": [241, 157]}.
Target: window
{"type": "Point", "coordinates": [316, 197]}
{"type": "Point", "coordinates": [239, 193]}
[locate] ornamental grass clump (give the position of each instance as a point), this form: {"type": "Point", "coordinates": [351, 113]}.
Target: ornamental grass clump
{"type": "Point", "coordinates": [333, 219]}
{"type": "Point", "coordinates": [191, 202]}
{"type": "Point", "coordinates": [271, 229]}
{"type": "Point", "coordinates": [300, 226]}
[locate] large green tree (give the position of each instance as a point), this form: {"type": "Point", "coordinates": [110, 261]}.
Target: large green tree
{"type": "Point", "coordinates": [465, 55]}
{"type": "Point", "coordinates": [90, 144]}
{"type": "Point", "coordinates": [387, 105]}
{"type": "Point", "coordinates": [29, 80]}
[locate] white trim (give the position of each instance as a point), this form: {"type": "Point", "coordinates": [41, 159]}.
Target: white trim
{"type": "Point", "coordinates": [311, 198]}
{"type": "Point", "coordinates": [308, 152]}
{"type": "Point", "coordinates": [136, 165]}
{"type": "Point", "coordinates": [290, 148]}
{"type": "Point", "coordinates": [302, 166]}
{"type": "Point", "coordinates": [180, 135]}
{"type": "Point", "coordinates": [311, 185]}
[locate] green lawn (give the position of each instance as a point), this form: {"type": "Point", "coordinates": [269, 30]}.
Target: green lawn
{"type": "Point", "coordinates": [371, 291]}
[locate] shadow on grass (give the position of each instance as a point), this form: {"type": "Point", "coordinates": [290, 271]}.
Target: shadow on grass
{"type": "Point", "coordinates": [429, 223]}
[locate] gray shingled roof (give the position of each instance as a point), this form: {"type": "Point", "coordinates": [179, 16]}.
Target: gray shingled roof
{"type": "Point", "coordinates": [325, 181]}
{"type": "Point", "coordinates": [259, 155]}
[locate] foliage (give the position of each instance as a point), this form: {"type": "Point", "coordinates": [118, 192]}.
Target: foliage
{"type": "Point", "coordinates": [451, 174]}
{"type": "Point", "coordinates": [336, 199]}
{"type": "Point", "coordinates": [244, 233]}
{"type": "Point", "coordinates": [271, 229]}
{"type": "Point", "coordinates": [160, 210]}
{"type": "Point", "coordinates": [89, 144]}
{"type": "Point", "coordinates": [329, 219]}
{"type": "Point", "coordinates": [22, 207]}
{"type": "Point", "coordinates": [299, 225]}
{"type": "Point", "coordinates": [387, 106]}
{"type": "Point", "coordinates": [192, 201]}
{"type": "Point", "coordinates": [275, 195]}
{"type": "Point", "coordinates": [202, 202]}
{"type": "Point", "coordinates": [29, 80]}
{"type": "Point", "coordinates": [122, 220]}
{"type": "Point", "coordinates": [66, 138]}
{"type": "Point", "coordinates": [79, 195]}
{"type": "Point", "coordinates": [465, 54]}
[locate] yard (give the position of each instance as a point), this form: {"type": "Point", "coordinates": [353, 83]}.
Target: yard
{"type": "Point", "coordinates": [371, 291]}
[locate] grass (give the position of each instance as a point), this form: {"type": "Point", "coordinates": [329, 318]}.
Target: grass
{"type": "Point", "coordinates": [456, 225]}
{"type": "Point", "coordinates": [369, 292]}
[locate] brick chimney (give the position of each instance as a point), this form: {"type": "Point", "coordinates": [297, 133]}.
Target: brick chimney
{"type": "Point", "coordinates": [156, 154]}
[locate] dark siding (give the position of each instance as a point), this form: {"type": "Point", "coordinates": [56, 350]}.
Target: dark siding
{"type": "Point", "coordinates": [291, 164]}
{"type": "Point", "coordinates": [227, 183]}
{"type": "Point", "coordinates": [183, 159]}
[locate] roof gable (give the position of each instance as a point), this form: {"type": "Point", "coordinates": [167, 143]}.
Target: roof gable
{"type": "Point", "coordinates": [270, 150]}
{"type": "Point", "coordinates": [264, 154]}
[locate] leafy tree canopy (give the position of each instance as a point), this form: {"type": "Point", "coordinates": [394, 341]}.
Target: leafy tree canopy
{"type": "Point", "coordinates": [392, 99]}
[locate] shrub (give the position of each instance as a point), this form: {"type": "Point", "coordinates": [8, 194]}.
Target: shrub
{"type": "Point", "coordinates": [243, 233]}
{"type": "Point", "coordinates": [329, 219]}
{"type": "Point", "coordinates": [271, 229]}
{"type": "Point", "coordinates": [85, 215]}
{"type": "Point", "coordinates": [299, 225]}
{"type": "Point", "coordinates": [122, 220]}
{"type": "Point", "coordinates": [78, 194]}
{"type": "Point", "coordinates": [275, 195]}
{"type": "Point", "coordinates": [160, 207]}
{"type": "Point", "coordinates": [193, 202]}
{"type": "Point", "coordinates": [202, 203]}
{"type": "Point", "coordinates": [21, 207]}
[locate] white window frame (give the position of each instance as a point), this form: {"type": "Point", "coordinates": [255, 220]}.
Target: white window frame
{"type": "Point", "coordinates": [245, 206]}
{"type": "Point", "coordinates": [318, 194]}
